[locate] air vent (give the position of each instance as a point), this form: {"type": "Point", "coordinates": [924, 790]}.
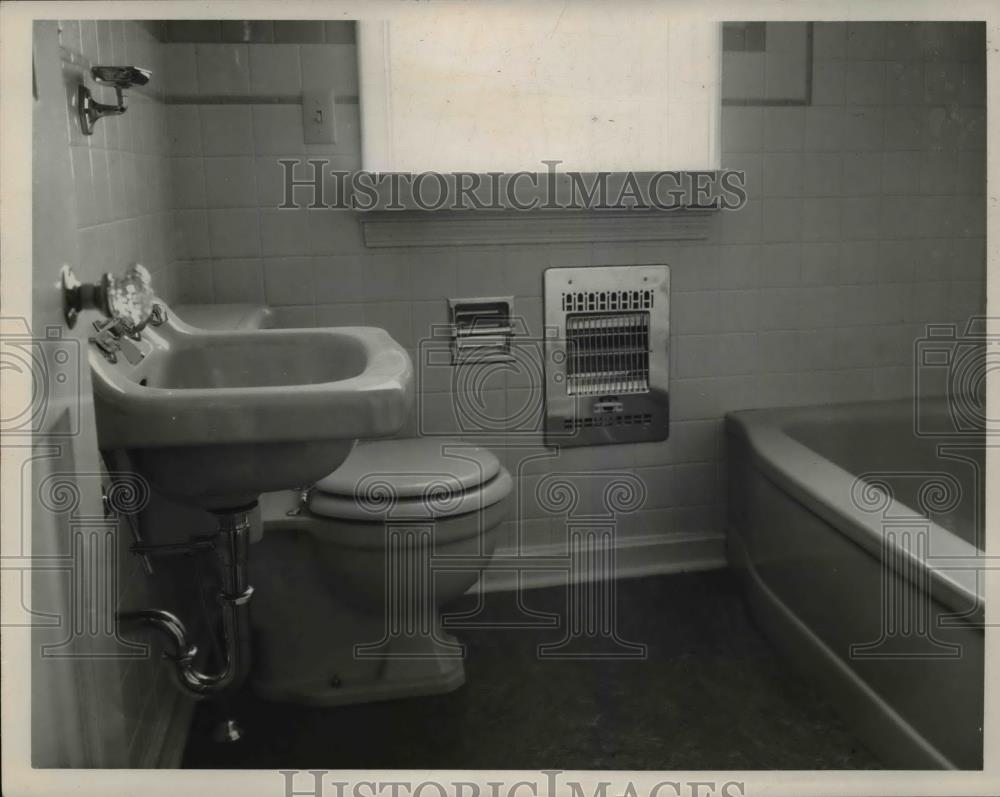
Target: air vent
{"type": "Point", "coordinates": [481, 329]}
{"type": "Point", "coordinates": [607, 332]}
{"type": "Point", "coordinates": [643, 419]}
{"type": "Point", "coordinates": [601, 301]}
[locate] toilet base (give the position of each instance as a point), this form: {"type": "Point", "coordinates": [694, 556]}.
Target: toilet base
{"type": "Point", "coordinates": [432, 671]}
{"type": "Point", "coordinates": [332, 628]}
{"type": "Point", "coordinates": [317, 646]}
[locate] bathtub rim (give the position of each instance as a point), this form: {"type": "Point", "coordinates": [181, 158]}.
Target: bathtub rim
{"type": "Point", "coordinates": [819, 484]}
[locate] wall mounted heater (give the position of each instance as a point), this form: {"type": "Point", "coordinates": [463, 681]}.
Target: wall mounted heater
{"type": "Point", "coordinates": [606, 365]}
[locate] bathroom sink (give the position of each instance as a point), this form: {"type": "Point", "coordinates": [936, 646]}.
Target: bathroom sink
{"type": "Point", "coordinates": [214, 418]}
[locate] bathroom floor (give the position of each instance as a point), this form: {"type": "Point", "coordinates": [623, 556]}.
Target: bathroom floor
{"type": "Point", "coordinates": [711, 694]}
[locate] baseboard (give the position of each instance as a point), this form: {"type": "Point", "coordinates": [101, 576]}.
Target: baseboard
{"type": "Point", "coordinates": [547, 565]}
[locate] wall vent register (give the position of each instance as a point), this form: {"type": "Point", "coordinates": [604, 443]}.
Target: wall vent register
{"type": "Point", "coordinates": [606, 354]}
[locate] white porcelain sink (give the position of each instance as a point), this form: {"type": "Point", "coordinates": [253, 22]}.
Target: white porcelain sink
{"type": "Point", "coordinates": [214, 419]}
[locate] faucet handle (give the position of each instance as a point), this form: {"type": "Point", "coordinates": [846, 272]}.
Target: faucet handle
{"type": "Point", "coordinates": [128, 298]}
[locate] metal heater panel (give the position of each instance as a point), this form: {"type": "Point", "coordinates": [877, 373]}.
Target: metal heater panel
{"type": "Point", "coordinates": [607, 356]}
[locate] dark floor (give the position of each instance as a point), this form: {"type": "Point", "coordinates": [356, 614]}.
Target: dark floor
{"type": "Point", "coordinates": [711, 694]}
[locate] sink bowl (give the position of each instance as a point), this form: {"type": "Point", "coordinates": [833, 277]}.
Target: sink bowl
{"type": "Point", "coordinates": [214, 419]}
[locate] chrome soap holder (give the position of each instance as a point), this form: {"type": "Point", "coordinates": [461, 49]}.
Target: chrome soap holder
{"type": "Point", "coordinates": [119, 78]}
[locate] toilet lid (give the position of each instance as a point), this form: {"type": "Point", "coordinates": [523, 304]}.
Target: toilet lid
{"type": "Point", "coordinates": [414, 468]}
{"type": "Point", "coordinates": [380, 506]}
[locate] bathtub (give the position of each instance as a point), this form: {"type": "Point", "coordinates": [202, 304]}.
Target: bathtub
{"type": "Point", "coordinates": [856, 542]}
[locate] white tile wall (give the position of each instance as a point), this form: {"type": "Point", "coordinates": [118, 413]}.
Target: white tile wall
{"type": "Point", "coordinates": [865, 221]}
{"type": "Point", "coordinates": [222, 68]}
{"type": "Point", "coordinates": [124, 189]}
{"type": "Point", "coordinates": [212, 69]}
{"type": "Point", "coordinates": [275, 69]}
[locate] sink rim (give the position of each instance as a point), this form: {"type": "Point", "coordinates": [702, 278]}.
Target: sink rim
{"type": "Point", "coordinates": [189, 342]}
{"type": "Point", "coordinates": [138, 416]}
{"type": "Point", "coordinates": [293, 345]}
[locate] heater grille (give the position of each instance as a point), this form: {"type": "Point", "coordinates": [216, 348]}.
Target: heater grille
{"type": "Point", "coordinates": [607, 353]}
{"type": "Point", "coordinates": [607, 359]}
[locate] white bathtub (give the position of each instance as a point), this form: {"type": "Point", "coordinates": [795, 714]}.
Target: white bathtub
{"type": "Point", "coordinates": [857, 542]}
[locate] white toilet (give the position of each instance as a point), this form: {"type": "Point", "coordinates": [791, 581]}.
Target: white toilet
{"type": "Point", "coordinates": [350, 576]}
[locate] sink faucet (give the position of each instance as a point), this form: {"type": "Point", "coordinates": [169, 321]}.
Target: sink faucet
{"type": "Point", "coordinates": [129, 299]}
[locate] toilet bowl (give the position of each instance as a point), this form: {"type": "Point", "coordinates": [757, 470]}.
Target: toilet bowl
{"type": "Point", "coordinates": [350, 576]}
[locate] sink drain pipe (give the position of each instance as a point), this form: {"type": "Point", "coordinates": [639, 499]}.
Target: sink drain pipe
{"type": "Point", "coordinates": [231, 548]}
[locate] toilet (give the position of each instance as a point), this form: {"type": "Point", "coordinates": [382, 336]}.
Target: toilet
{"type": "Point", "coordinates": [351, 574]}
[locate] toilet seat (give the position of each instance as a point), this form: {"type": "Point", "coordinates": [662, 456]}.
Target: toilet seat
{"type": "Point", "coordinates": [413, 479]}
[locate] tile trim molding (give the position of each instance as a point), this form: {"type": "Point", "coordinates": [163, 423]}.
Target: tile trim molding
{"type": "Point", "coordinates": [249, 99]}
{"type": "Point", "coordinates": [681, 552]}
{"type": "Point", "coordinates": [384, 229]}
